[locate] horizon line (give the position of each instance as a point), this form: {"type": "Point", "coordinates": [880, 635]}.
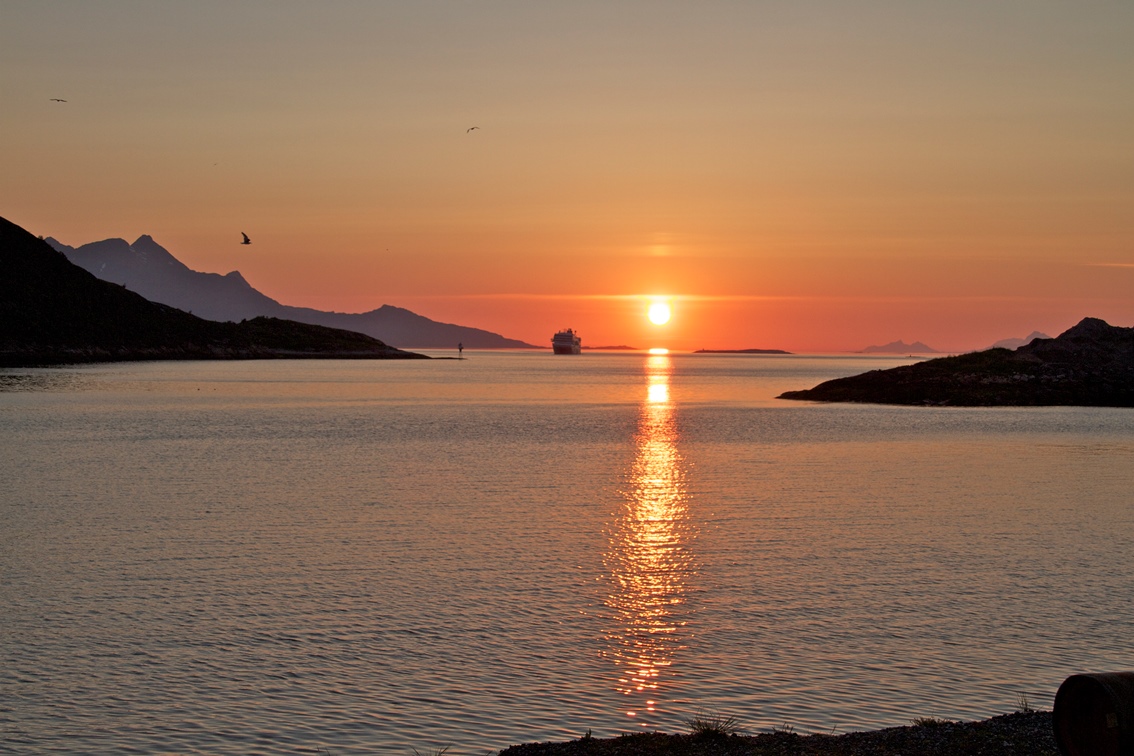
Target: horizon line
{"type": "Point", "coordinates": [752, 297]}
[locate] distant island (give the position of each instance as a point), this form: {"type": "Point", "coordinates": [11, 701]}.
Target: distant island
{"type": "Point", "coordinates": [149, 269]}
{"type": "Point", "coordinates": [741, 351]}
{"type": "Point", "coordinates": [1090, 365]}
{"type": "Point", "coordinates": [900, 347]}
{"type": "Point", "coordinates": [1017, 343]}
{"type": "Point", "coordinates": [54, 312]}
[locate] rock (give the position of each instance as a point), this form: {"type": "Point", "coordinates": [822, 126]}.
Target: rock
{"type": "Point", "coordinates": [1090, 364]}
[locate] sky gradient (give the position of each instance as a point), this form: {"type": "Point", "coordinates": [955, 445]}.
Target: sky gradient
{"type": "Point", "coordinates": [810, 176]}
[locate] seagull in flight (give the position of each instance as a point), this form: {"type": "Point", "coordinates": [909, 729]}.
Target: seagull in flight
{"type": "Point", "coordinates": [472, 128]}
{"type": "Point", "coordinates": [246, 239]}
{"type": "Point", "coordinates": [56, 99]}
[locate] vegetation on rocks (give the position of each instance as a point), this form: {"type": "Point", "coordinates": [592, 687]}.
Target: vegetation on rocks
{"type": "Point", "coordinates": [1019, 734]}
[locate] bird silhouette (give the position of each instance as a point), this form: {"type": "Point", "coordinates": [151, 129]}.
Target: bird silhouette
{"type": "Point", "coordinates": [56, 99]}
{"type": "Point", "coordinates": [472, 128]}
{"type": "Point", "coordinates": [246, 239]}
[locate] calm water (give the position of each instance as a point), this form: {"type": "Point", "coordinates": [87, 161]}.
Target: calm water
{"type": "Point", "coordinates": [368, 557]}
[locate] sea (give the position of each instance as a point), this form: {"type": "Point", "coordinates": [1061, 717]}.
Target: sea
{"type": "Point", "coordinates": [356, 557]}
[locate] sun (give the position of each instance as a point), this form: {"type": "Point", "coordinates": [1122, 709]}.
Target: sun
{"type": "Point", "coordinates": [659, 313]}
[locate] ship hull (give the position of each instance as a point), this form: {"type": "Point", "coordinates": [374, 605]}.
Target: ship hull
{"type": "Point", "coordinates": [566, 342]}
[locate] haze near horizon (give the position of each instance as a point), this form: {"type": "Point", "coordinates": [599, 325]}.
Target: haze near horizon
{"type": "Point", "coordinates": [813, 177]}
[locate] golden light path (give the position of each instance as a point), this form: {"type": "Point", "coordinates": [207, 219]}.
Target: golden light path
{"type": "Point", "coordinates": [649, 560]}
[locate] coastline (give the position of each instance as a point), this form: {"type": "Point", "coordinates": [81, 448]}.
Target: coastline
{"type": "Point", "coordinates": [1024, 733]}
{"type": "Point", "coordinates": [56, 313]}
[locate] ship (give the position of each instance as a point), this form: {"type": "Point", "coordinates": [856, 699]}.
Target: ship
{"type": "Point", "coordinates": [566, 342]}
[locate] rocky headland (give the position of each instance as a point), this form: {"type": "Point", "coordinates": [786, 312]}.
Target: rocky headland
{"type": "Point", "coordinates": [1090, 365]}
{"type": "Point", "coordinates": [151, 270]}
{"type": "Point", "coordinates": [53, 312]}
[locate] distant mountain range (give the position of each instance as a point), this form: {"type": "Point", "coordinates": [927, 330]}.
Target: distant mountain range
{"type": "Point", "coordinates": [1090, 365]}
{"type": "Point", "coordinates": [149, 269]}
{"type": "Point", "coordinates": [53, 312]}
{"type": "Point", "coordinates": [900, 347]}
{"type": "Point", "coordinates": [1017, 343]}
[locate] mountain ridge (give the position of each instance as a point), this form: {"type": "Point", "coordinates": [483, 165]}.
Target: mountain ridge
{"type": "Point", "coordinates": [1012, 343]}
{"type": "Point", "coordinates": [151, 270]}
{"type": "Point", "coordinates": [900, 347]}
{"type": "Point", "coordinates": [54, 312]}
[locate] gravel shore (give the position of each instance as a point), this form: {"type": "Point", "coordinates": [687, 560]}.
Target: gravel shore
{"type": "Point", "coordinates": [1021, 734]}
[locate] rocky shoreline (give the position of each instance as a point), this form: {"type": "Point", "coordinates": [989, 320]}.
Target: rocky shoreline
{"type": "Point", "coordinates": [1089, 365]}
{"type": "Point", "coordinates": [1025, 733]}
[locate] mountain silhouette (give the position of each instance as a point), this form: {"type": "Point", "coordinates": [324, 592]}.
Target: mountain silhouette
{"type": "Point", "coordinates": [54, 312]}
{"type": "Point", "coordinates": [1016, 343]}
{"type": "Point", "coordinates": [900, 347]}
{"type": "Point", "coordinates": [1088, 365]}
{"type": "Point", "coordinates": [149, 269]}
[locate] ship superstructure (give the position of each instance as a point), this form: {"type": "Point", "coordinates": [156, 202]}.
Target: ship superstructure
{"type": "Point", "coordinates": [566, 342]}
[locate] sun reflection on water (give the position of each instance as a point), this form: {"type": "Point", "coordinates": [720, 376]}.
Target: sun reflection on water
{"type": "Point", "coordinates": [649, 561]}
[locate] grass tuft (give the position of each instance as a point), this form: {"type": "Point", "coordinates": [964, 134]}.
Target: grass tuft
{"type": "Point", "coordinates": [434, 752]}
{"type": "Point", "coordinates": [1023, 705]}
{"type": "Point", "coordinates": [713, 725]}
{"type": "Point", "coordinates": [929, 722]}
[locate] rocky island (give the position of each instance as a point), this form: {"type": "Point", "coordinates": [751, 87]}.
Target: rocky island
{"type": "Point", "coordinates": [53, 312]}
{"type": "Point", "coordinates": [1089, 365]}
{"type": "Point", "coordinates": [741, 351]}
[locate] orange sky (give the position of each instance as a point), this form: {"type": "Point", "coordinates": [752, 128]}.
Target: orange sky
{"type": "Point", "coordinates": [806, 176]}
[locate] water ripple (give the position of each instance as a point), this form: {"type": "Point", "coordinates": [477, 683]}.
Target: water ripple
{"type": "Point", "coordinates": [358, 561]}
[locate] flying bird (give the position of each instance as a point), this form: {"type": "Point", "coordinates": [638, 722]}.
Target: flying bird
{"type": "Point", "coordinates": [246, 239]}
{"type": "Point", "coordinates": [56, 99]}
{"type": "Point", "coordinates": [472, 128]}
